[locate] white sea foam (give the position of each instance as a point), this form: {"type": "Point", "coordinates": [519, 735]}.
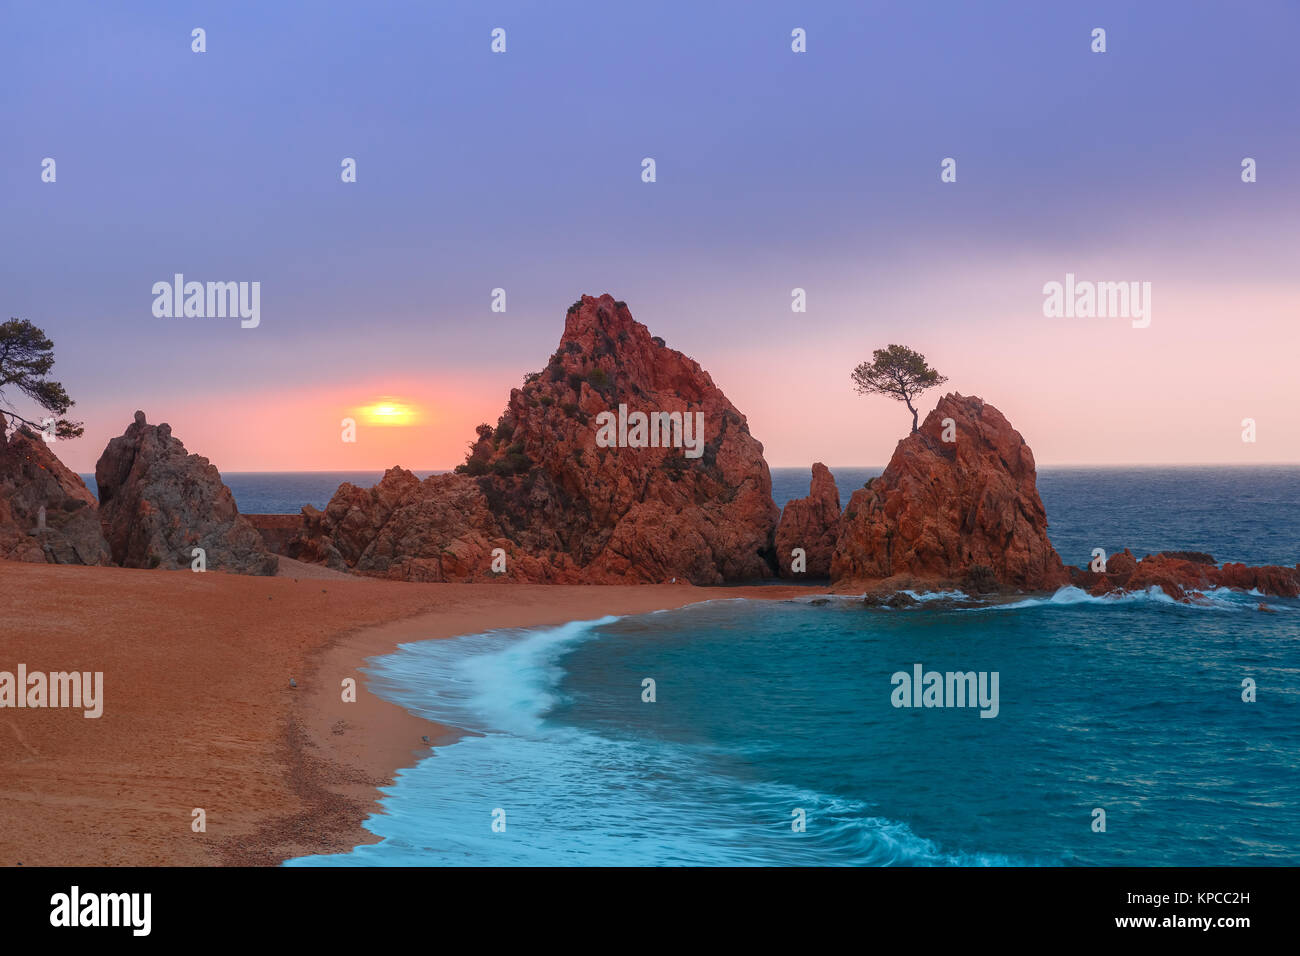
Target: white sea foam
{"type": "Point", "coordinates": [1219, 599]}
{"type": "Point", "coordinates": [503, 680]}
{"type": "Point", "coordinates": [579, 796]}
{"type": "Point", "coordinates": [938, 595]}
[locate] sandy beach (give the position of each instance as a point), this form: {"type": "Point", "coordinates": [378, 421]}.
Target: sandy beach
{"type": "Point", "coordinates": [199, 711]}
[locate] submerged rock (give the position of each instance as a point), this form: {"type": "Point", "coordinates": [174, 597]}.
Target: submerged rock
{"type": "Point", "coordinates": [1181, 574]}
{"type": "Point", "coordinates": [898, 600]}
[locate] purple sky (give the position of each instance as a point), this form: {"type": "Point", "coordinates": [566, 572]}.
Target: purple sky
{"type": "Point", "coordinates": [775, 170]}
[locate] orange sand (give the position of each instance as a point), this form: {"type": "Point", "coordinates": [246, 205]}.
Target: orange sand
{"type": "Point", "coordinates": [199, 711]}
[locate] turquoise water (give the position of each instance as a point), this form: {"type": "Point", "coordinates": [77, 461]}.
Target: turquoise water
{"type": "Point", "coordinates": [767, 708]}
{"type": "Point", "coordinates": [763, 709]}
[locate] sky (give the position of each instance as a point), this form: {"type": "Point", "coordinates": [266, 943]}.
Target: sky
{"type": "Point", "coordinates": [775, 170]}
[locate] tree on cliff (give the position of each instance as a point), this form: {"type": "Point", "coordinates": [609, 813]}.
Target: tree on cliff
{"type": "Point", "coordinates": [899, 373]}
{"type": "Point", "coordinates": [26, 357]}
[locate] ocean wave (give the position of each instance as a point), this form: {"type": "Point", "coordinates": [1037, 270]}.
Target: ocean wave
{"type": "Point", "coordinates": [1216, 599]}
{"type": "Point", "coordinates": [872, 840]}
{"type": "Point", "coordinates": [575, 795]}
{"type": "Point", "coordinates": [505, 680]}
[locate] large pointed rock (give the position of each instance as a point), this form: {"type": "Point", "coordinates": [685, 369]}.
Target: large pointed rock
{"type": "Point", "coordinates": [563, 505]}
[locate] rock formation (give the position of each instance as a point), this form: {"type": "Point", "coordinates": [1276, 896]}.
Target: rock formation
{"type": "Point", "coordinates": [439, 529]}
{"type": "Point", "coordinates": [811, 523]}
{"type": "Point", "coordinates": [32, 478]}
{"type": "Point", "coordinates": [964, 512]}
{"type": "Point", "coordinates": [157, 503]}
{"type": "Point", "coordinates": [564, 506]}
{"type": "Point", "coordinates": [277, 530]}
{"type": "Point", "coordinates": [1181, 574]}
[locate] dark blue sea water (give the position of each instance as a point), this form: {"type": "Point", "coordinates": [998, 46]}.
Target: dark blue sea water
{"type": "Point", "coordinates": [765, 710]}
{"type": "Point", "coordinates": [285, 492]}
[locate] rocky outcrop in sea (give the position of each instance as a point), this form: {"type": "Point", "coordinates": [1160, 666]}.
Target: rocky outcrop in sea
{"type": "Point", "coordinates": [958, 504]}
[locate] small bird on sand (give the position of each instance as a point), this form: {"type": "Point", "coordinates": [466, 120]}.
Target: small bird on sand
{"type": "Point", "coordinates": [425, 739]}
{"type": "Point", "coordinates": [292, 682]}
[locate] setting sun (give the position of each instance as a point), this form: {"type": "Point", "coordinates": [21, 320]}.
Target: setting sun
{"type": "Point", "coordinates": [388, 411]}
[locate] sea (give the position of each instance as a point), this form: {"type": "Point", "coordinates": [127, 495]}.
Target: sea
{"type": "Point", "coordinates": [1128, 730]}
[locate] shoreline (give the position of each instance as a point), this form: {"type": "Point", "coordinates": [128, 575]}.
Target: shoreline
{"type": "Point", "coordinates": [222, 693]}
{"type": "Point", "coordinates": [381, 737]}
{"type": "Point", "coordinates": [199, 712]}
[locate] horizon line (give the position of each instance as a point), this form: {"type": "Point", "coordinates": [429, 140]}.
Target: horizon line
{"type": "Point", "coordinates": [832, 468]}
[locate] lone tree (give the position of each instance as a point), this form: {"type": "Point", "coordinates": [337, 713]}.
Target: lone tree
{"type": "Point", "coordinates": [26, 357]}
{"type": "Point", "coordinates": [899, 373]}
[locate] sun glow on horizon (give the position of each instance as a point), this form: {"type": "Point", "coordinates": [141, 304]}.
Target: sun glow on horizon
{"type": "Point", "coordinates": [390, 412]}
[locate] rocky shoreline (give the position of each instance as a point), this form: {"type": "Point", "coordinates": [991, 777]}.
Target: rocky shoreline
{"type": "Point", "coordinates": [555, 493]}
